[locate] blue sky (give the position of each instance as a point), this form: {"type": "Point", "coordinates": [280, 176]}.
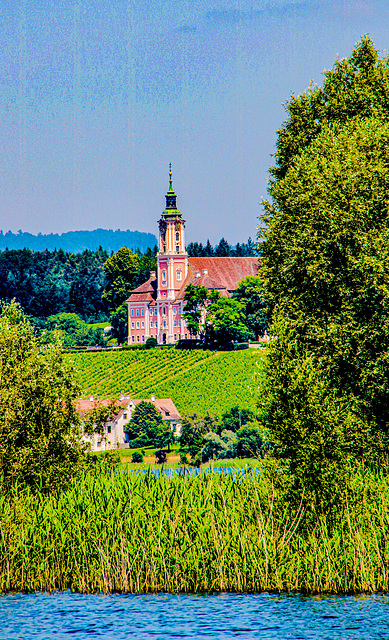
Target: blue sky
{"type": "Point", "coordinates": [98, 96]}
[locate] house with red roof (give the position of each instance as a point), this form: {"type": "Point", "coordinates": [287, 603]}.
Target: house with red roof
{"type": "Point", "coordinates": [155, 308]}
{"type": "Point", "coordinates": [114, 435]}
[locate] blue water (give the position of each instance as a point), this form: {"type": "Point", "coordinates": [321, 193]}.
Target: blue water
{"type": "Point", "coordinates": [120, 617]}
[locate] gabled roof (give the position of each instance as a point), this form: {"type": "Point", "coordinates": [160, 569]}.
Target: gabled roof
{"type": "Point", "coordinates": [146, 292]}
{"type": "Point", "coordinates": [229, 271]}
{"type": "Point", "coordinates": [84, 406]}
{"type": "Point", "coordinates": [165, 406]}
{"type": "Point", "coordinates": [222, 274]}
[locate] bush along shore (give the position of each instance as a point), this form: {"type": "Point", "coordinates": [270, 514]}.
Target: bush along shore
{"type": "Point", "coordinates": [127, 532]}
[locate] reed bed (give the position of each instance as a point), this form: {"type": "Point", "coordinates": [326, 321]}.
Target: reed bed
{"type": "Point", "coordinates": [123, 532]}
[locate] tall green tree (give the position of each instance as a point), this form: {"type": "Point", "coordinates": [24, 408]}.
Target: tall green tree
{"type": "Point", "coordinates": [355, 87]}
{"type": "Point", "coordinates": [39, 438]}
{"type": "Point", "coordinates": [195, 299]}
{"type": "Point", "coordinates": [119, 323]}
{"type": "Point", "coordinates": [147, 426]}
{"type": "Point", "coordinates": [325, 272]}
{"type": "Point", "coordinates": [249, 293]}
{"type": "Point", "coordinates": [122, 272]}
{"type": "Point", "coordinates": [226, 322]}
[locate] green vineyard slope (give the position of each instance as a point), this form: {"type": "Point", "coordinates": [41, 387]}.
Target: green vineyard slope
{"type": "Point", "coordinates": [197, 381]}
{"type": "Point", "coordinates": [108, 374]}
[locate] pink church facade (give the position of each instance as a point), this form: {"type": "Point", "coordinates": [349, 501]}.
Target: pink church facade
{"type": "Point", "coordinates": [155, 309]}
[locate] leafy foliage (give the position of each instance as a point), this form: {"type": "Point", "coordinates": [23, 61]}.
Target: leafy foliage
{"type": "Point", "coordinates": [356, 87]}
{"type": "Point", "coordinates": [249, 293]}
{"type": "Point", "coordinates": [225, 322]}
{"type": "Point", "coordinates": [119, 323]}
{"type": "Point", "coordinates": [147, 426]}
{"type": "Point", "coordinates": [39, 438]}
{"type": "Point", "coordinates": [326, 276]}
{"type": "Point", "coordinates": [195, 299]}
{"type": "Point", "coordinates": [235, 418]}
{"type": "Point", "coordinates": [72, 330]}
{"type": "Point", "coordinates": [50, 283]}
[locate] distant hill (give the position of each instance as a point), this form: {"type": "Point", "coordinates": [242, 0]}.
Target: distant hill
{"type": "Point", "coordinates": [78, 241]}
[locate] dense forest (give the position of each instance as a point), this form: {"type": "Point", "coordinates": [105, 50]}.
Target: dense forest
{"type": "Point", "coordinates": [46, 282]}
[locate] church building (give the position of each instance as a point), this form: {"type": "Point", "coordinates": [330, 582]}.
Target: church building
{"type": "Point", "coordinates": [155, 309]}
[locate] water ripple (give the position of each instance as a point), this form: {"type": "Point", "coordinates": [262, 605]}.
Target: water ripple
{"type": "Point", "coordinates": [221, 617]}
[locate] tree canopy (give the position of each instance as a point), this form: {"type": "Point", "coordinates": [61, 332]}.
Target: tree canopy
{"type": "Point", "coordinates": [325, 271]}
{"type": "Point", "coordinates": [249, 293]}
{"type": "Point", "coordinates": [39, 436]}
{"type": "Point", "coordinates": [147, 427]}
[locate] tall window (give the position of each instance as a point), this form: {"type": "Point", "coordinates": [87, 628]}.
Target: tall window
{"type": "Point", "coordinates": [179, 274]}
{"type": "Point", "coordinates": [137, 313]}
{"type": "Point", "coordinates": [163, 275]}
{"type": "Point", "coordinates": [132, 313]}
{"type": "Point", "coordinates": [177, 236]}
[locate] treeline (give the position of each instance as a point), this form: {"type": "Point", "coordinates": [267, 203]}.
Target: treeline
{"type": "Point", "coordinates": [78, 241]}
{"type": "Point", "coordinates": [223, 249]}
{"type": "Point", "coordinates": [47, 283]}
{"type": "Point", "coordinates": [91, 284]}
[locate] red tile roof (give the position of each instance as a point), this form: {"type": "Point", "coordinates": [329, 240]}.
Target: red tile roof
{"type": "Point", "coordinates": [146, 292]}
{"type": "Point", "coordinates": [228, 271]}
{"type": "Point", "coordinates": [221, 273]}
{"type": "Point", "coordinates": [165, 406]}
{"type": "Point", "coordinates": [84, 406]}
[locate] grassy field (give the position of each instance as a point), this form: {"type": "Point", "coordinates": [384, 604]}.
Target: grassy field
{"type": "Point", "coordinates": [208, 532]}
{"type": "Point", "coordinates": [197, 381]}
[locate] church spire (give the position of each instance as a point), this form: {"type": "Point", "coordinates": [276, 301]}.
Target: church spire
{"type": "Point", "coordinates": [171, 198]}
{"type": "Point", "coordinates": [170, 179]}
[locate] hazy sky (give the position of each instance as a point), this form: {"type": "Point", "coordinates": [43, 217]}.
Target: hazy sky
{"type": "Point", "coordinates": [98, 96]}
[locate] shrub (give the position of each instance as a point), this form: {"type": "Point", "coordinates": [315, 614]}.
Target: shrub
{"type": "Point", "coordinates": [137, 457]}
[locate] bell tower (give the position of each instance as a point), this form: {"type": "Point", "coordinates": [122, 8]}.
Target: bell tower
{"type": "Point", "coordinates": [172, 262]}
{"type": "Point", "coordinates": [171, 224]}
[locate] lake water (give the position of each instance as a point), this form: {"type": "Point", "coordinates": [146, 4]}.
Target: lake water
{"type": "Point", "coordinates": [225, 616]}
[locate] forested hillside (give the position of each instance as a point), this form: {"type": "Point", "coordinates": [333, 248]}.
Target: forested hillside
{"type": "Point", "coordinates": [78, 241]}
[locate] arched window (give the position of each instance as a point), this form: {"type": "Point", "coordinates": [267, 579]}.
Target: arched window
{"type": "Point", "coordinates": [177, 236]}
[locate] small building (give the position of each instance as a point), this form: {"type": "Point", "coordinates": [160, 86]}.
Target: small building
{"type": "Point", "coordinates": [114, 435]}
{"type": "Point", "coordinates": [155, 308]}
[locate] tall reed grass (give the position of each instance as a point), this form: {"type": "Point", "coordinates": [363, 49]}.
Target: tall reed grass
{"type": "Point", "coordinates": [140, 533]}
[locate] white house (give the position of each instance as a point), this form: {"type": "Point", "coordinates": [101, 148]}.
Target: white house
{"type": "Point", "coordinates": [114, 436]}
